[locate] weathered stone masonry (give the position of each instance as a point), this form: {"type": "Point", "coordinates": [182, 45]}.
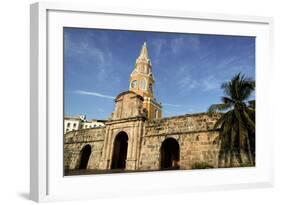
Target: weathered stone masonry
{"type": "Point", "coordinates": [194, 134]}
{"type": "Point", "coordinates": [75, 141]}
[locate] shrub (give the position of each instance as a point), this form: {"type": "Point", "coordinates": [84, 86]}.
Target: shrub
{"type": "Point", "coordinates": [201, 165]}
{"type": "Point", "coordinates": [246, 165]}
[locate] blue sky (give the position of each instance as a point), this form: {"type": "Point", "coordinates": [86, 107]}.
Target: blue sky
{"type": "Point", "coordinates": [188, 68]}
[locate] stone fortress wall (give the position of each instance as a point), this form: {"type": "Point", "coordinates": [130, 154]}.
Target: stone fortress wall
{"type": "Point", "coordinates": [194, 134]}
{"type": "Point", "coordinates": [75, 141]}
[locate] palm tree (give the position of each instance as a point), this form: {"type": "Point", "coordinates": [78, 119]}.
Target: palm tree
{"type": "Point", "coordinates": [237, 122]}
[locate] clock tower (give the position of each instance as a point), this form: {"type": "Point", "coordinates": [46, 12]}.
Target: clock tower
{"type": "Point", "coordinates": [141, 82]}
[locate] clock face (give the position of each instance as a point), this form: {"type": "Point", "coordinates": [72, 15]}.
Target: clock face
{"type": "Point", "coordinates": [134, 84]}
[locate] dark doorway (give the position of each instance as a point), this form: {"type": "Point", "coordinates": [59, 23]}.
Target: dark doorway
{"type": "Point", "coordinates": [170, 154]}
{"type": "Point", "coordinates": [85, 155]}
{"type": "Point", "coordinates": [120, 151]}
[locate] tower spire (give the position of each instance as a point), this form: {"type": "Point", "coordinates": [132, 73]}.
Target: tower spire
{"type": "Point", "coordinates": [144, 52]}
{"type": "Point", "coordinates": [141, 82]}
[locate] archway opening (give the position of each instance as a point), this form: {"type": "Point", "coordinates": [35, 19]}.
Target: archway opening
{"type": "Point", "coordinates": [170, 154]}
{"type": "Point", "coordinates": [120, 151]}
{"type": "Point", "coordinates": [85, 155]}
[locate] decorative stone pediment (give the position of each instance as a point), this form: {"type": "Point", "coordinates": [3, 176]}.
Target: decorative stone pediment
{"type": "Point", "coordinates": [128, 104]}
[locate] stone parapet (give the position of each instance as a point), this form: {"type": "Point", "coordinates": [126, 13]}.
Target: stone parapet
{"type": "Point", "coordinates": [189, 123]}
{"type": "Point", "coordinates": [85, 135]}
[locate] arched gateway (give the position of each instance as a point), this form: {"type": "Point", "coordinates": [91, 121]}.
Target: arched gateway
{"type": "Point", "coordinates": [120, 151]}
{"type": "Point", "coordinates": [84, 156]}
{"type": "Point", "coordinates": [169, 154]}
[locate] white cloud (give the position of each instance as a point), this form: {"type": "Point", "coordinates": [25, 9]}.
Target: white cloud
{"type": "Point", "coordinates": [191, 42]}
{"type": "Point", "coordinates": [158, 45]}
{"type": "Point", "coordinates": [92, 49]}
{"type": "Point", "coordinates": [86, 49]}
{"type": "Point", "coordinates": [177, 44]}
{"type": "Point", "coordinates": [226, 63]}
{"type": "Point", "coordinates": [187, 82]}
{"type": "Point", "coordinates": [185, 79]}
{"type": "Point", "coordinates": [100, 110]}
{"type": "Point", "coordinates": [96, 94]}
{"type": "Point", "coordinates": [210, 83]}
{"type": "Point", "coordinates": [172, 105]}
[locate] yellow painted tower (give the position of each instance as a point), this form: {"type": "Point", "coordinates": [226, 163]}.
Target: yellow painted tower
{"type": "Point", "coordinates": [141, 82]}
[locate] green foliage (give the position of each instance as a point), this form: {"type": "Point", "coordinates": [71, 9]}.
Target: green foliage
{"type": "Point", "coordinates": [237, 124]}
{"type": "Point", "coordinates": [201, 165]}
{"type": "Point", "coordinates": [246, 164]}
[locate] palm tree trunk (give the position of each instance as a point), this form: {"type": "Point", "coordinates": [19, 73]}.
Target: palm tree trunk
{"type": "Point", "coordinates": [231, 164]}
{"type": "Point", "coordinates": [250, 151]}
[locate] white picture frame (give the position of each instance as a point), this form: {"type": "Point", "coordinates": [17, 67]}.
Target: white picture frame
{"type": "Point", "coordinates": [47, 182]}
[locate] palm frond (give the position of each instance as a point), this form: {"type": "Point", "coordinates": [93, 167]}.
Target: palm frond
{"type": "Point", "coordinates": [218, 107]}
{"type": "Point", "coordinates": [227, 100]}
{"type": "Point", "coordinates": [225, 118]}
{"type": "Point", "coordinates": [226, 88]}
{"type": "Point", "coordinates": [248, 121]}
{"type": "Point", "coordinates": [252, 104]}
{"type": "Point", "coordinates": [246, 89]}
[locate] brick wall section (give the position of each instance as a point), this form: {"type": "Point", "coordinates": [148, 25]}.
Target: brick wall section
{"type": "Point", "coordinates": [75, 141]}
{"type": "Point", "coordinates": [85, 135]}
{"type": "Point", "coordinates": [194, 134]}
{"type": "Point", "coordinates": [181, 124]}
